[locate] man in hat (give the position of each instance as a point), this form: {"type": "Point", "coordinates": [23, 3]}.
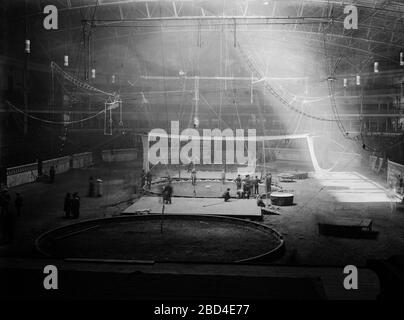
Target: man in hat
{"type": "Point", "coordinates": [76, 205]}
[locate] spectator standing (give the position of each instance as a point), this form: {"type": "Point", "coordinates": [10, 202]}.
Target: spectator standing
{"type": "Point", "coordinates": [268, 182]}
{"type": "Point", "coordinates": [52, 174]}
{"type": "Point", "coordinates": [67, 206]}
{"type": "Point", "coordinates": [193, 177]}
{"type": "Point", "coordinates": [238, 182]}
{"type": "Point", "coordinates": [167, 193]}
{"type": "Point", "coordinates": [91, 187]}
{"type": "Point", "coordinates": [76, 205]}
{"type": "Point", "coordinates": [256, 185]}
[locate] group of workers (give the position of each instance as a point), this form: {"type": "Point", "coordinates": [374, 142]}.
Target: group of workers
{"type": "Point", "coordinates": [46, 177]}
{"type": "Point", "coordinates": [248, 186]}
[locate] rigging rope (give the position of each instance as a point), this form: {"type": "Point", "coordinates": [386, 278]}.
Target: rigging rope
{"type": "Point", "coordinates": [77, 82]}
{"type": "Point", "coordinates": [273, 92]}
{"type": "Point", "coordinates": [50, 121]}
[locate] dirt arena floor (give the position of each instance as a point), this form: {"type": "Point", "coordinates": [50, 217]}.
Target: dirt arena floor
{"type": "Point", "coordinates": [343, 194]}
{"type": "Point", "coordinates": [185, 240]}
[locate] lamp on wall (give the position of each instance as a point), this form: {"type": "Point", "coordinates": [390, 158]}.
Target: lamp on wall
{"type": "Point", "coordinates": [27, 46]}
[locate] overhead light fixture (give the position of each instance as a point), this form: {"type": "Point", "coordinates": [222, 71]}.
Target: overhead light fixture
{"type": "Point", "coordinates": [376, 67]}
{"type": "Point", "coordinates": [66, 117]}
{"type": "Point", "coordinates": [27, 46]}
{"type": "Point", "coordinates": [93, 73]}
{"type": "Point", "coordinates": [66, 61]}
{"type": "Point", "coordinates": [196, 122]}
{"type": "Point", "coordinates": [358, 80]}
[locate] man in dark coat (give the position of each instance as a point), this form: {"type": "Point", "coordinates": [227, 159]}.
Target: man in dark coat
{"type": "Point", "coordinates": [167, 193]}
{"type": "Point", "coordinates": [52, 174]}
{"type": "Point", "coordinates": [256, 185]}
{"type": "Point", "coordinates": [91, 187]}
{"type": "Point", "coordinates": [67, 206]}
{"type": "Point", "coordinates": [268, 181]}
{"type": "Point", "coordinates": [238, 182]}
{"type": "Point", "coordinates": [248, 185]}
{"type": "Point", "coordinates": [76, 205]}
{"type": "Point", "coordinates": [193, 177]}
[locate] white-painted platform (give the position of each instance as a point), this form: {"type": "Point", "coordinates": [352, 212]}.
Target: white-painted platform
{"type": "Point", "coordinates": [212, 206]}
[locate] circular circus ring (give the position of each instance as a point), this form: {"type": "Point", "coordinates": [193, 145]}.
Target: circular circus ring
{"type": "Point", "coordinates": [220, 239]}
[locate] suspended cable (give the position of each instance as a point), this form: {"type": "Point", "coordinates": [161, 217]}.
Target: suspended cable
{"type": "Point", "coordinates": [51, 121]}
{"type": "Point", "coordinates": [273, 92]}
{"type": "Point", "coordinates": [77, 82]}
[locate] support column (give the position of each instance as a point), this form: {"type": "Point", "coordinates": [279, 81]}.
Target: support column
{"type": "Point", "coordinates": [145, 143]}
